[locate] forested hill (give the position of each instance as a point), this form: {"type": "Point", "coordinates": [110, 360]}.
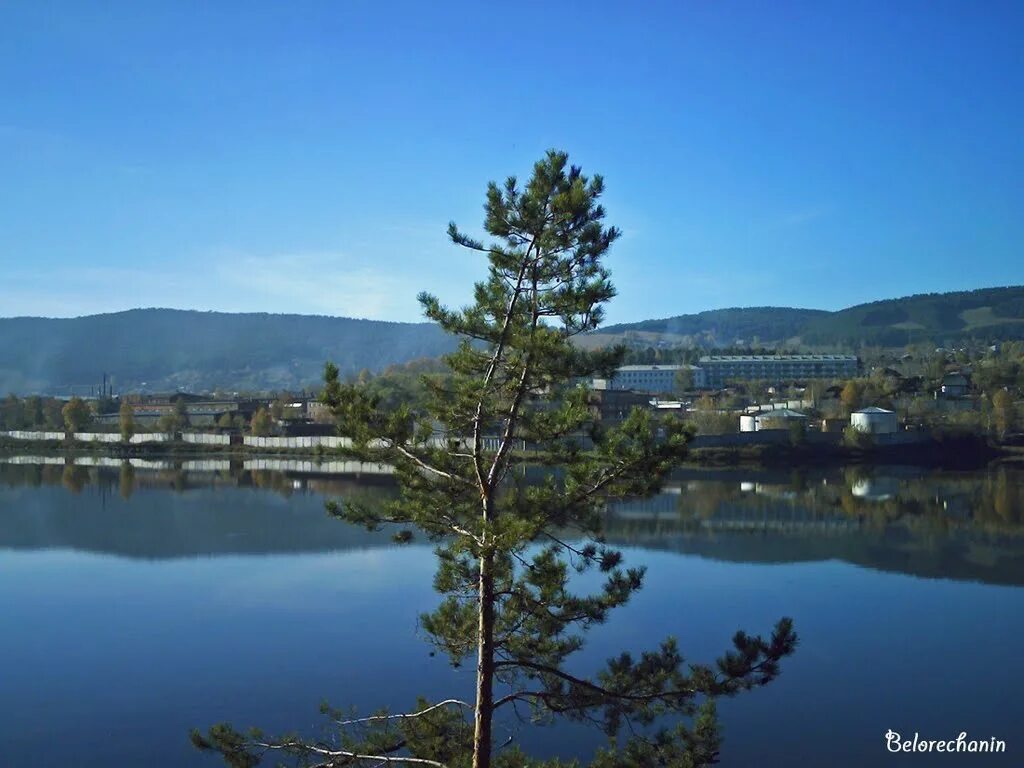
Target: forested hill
{"type": "Point", "coordinates": [987, 314]}
{"type": "Point", "coordinates": [165, 349]}
{"type": "Point", "coordinates": [725, 326]}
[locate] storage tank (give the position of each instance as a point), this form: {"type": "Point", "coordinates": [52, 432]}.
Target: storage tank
{"type": "Point", "coordinates": [748, 423]}
{"type": "Point", "coordinates": [874, 421]}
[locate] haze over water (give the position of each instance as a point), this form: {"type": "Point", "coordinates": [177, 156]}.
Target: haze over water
{"type": "Point", "coordinates": [138, 603]}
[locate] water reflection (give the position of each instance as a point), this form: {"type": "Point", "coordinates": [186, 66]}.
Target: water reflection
{"type": "Point", "coordinates": [170, 509]}
{"type": "Point", "coordinates": [190, 622]}
{"type": "Point", "coordinates": [962, 525]}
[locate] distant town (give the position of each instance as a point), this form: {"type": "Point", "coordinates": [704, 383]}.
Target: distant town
{"type": "Point", "coordinates": [730, 400]}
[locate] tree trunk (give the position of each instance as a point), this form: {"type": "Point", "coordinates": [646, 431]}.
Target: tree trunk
{"type": "Point", "coordinates": [484, 665]}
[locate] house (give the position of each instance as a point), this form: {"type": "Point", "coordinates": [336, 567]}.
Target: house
{"type": "Point", "coordinates": [953, 385]}
{"type": "Point", "coordinates": [318, 412]}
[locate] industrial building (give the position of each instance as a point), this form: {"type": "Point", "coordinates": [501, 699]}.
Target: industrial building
{"type": "Point", "coordinates": [719, 369]}
{"type": "Point", "coordinates": [654, 379]}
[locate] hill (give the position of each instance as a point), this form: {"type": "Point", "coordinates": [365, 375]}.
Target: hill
{"type": "Point", "coordinates": [987, 313]}
{"type": "Point", "coordinates": [166, 349]}
{"type": "Point", "coordinates": [722, 327]}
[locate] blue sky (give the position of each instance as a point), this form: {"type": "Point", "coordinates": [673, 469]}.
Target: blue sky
{"type": "Point", "coordinates": [307, 157]}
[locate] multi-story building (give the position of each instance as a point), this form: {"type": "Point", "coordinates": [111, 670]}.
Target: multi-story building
{"type": "Point", "coordinates": [654, 379]}
{"type": "Point", "coordinates": [718, 369]}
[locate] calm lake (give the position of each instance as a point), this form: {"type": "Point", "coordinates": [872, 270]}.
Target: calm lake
{"type": "Point", "coordinates": [139, 602]}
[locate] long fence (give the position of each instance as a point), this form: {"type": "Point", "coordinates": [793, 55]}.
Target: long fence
{"type": "Point", "coordinates": [86, 437]}
{"type": "Point", "coordinates": [305, 442]}
{"type": "Point", "coordinates": [291, 443]}
{"type": "Point", "coordinates": [204, 438]}
{"type": "Point", "coordinates": [39, 436]}
{"type": "Point", "coordinates": [310, 442]}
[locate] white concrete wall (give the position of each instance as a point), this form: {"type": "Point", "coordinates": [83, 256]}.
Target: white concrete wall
{"type": "Point", "coordinates": [88, 437]}
{"type": "Point", "coordinates": [150, 437]}
{"type": "Point", "coordinates": [97, 437]}
{"type": "Point", "coordinates": [19, 434]}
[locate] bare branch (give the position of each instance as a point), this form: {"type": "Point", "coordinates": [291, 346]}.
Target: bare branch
{"type": "Point", "coordinates": [405, 715]}
{"type": "Point", "coordinates": [424, 465]}
{"type": "Point", "coordinates": [339, 753]}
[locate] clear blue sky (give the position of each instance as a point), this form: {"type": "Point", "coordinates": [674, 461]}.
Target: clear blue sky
{"type": "Point", "coordinates": [307, 157]}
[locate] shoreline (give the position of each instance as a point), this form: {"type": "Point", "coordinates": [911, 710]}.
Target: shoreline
{"type": "Point", "coordinates": [953, 452]}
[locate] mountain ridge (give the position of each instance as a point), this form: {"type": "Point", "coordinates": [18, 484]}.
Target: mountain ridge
{"type": "Point", "coordinates": [166, 349]}
{"type": "Point", "coordinates": [885, 322]}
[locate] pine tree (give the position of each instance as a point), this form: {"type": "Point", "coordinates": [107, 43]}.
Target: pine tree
{"type": "Point", "coordinates": [512, 529]}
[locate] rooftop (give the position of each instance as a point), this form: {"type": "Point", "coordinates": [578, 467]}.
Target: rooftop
{"type": "Point", "coordinates": [781, 413]}
{"type": "Point", "coordinates": [778, 358]}
{"type": "Point", "coordinates": [622, 368]}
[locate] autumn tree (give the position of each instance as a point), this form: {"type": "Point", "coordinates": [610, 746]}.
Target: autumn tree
{"type": "Point", "coordinates": [231, 421]}
{"type": "Point", "coordinates": [76, 414]}
{"type": "Point", "coordinates": [512, 530]}
{"type": "Point", "coordinates": [126, 421]}
{"type": "Point", "coordinates": [262, 423]}
{"type": "Point", "coordinates": [851, 396]}
{"type": "Point", "coordinates": [1004, 412]}
{"type": "Point", "coordinates": [280, 407]}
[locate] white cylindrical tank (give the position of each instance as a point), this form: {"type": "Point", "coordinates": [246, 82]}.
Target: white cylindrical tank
{"type": "Point", "coordinates": [874, 421]}
{"type": "Point", "coordinates": [748, 423]}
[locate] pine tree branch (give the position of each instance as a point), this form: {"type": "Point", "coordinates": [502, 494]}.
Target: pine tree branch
{"type": "Point", "coordinates": [720, 685]}
{"type": "Point", "coordinates": [405, 715]}
{"type": "Point", "coordinates": [395, 445]}
{"type": "Point", "coordinates": [338, 754]}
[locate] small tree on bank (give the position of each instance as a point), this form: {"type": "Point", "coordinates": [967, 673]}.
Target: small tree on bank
{"type": "Point", "coordinates": [1004, 412]}
{"type": "Point", "coordinates": [507, 542]}
{"type": "Point", "coordinates": [262, 423]}
{"type": "Point", "coordinates": [76, 415]}
{"type": "Point", "coordinates": [126, 421]}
